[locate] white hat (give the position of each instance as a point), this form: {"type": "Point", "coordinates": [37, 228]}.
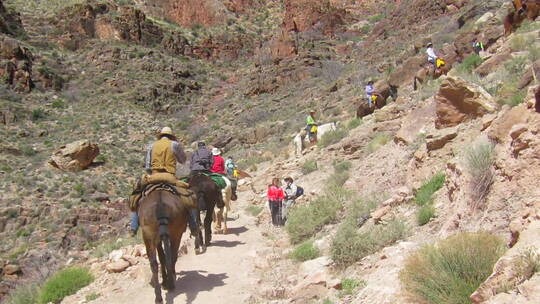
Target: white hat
{"type": "Point", "coordinates": [166, 131]}
{"type": "Point", "coordinates": [215, 151]}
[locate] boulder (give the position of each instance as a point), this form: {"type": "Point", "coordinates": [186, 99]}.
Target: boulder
{"type": "Point", "coordinates": [312, 267]}
{"type": "Point", "coordinates": [440, 138]}
{"type": "Point", "coordinates": [75, 156]}
{"type": "Point", "coordinates": [416, 123]}
{"type": "Point", "coordinates": [491, 64]}
{"type": "Point", "coordinates": [458, 101]}
{"type": "Point", "coordinates": [379, 214]}
{"type": "Point", "coordinates": [485, 18]}
{"type": "Point", "coordinates": [11, 269]}
{"type": "Point", "coordinates": [117, 267]}
{"type": "Point", "coordinates": [528, 76]}
{"type": "Point", "coordinates": [500, 127]}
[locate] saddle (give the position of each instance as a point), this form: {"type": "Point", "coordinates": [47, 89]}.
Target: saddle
{"type": "Point", "coordinates": [166, 182]}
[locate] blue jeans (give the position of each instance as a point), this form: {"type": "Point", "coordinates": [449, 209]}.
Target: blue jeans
{"type": "Point", "coordinates": [134, 223]}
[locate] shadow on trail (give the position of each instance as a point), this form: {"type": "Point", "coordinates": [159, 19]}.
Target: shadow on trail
{"type": "Point", "coordinates": [226, 244]}
{"type": "Point", "coordinates": [237, 230]}
{"type": "Point", "coordinates": [193, 282]}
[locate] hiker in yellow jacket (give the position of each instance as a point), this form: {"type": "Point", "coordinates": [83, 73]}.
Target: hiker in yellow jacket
{"type": "Point", "coordinates": [161, 159]}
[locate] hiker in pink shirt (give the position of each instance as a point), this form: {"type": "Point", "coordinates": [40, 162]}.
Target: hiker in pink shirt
{"type": "Point", "coordinates": [275, 200]}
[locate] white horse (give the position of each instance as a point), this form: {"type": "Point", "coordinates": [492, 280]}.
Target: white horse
{"type": "Point", "coordinates": [221, 215]}
{"type": "Point", "coordinates": [301, 139]}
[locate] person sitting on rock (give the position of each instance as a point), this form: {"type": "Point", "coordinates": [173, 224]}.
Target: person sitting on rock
{"type": "Point", "coordinates": [218, 165]}
{"type": "Point", "coordinates": [161, 158]}
{"type": "Point", "coordinates": [370, 91]}
{"type": "Point", "coordinates": [201, 160]}
{"type": "Point", "coordinates": [311, 127]}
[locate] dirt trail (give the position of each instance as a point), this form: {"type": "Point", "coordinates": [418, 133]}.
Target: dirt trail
{"type": "Point", "coordinates": [220, 275]}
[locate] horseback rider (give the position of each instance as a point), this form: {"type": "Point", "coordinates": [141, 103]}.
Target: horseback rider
{"type": "Point", "coordinates": [230, 166]}
{"type": "Point", "coordinates": [478, 47]}
{"type": "Point", "coordinates": [370, 91]}
{"type": "Point", "coordinates": [161, 158]}
{"type": "Point", "coordinates": [218, 165]}
{"type": "Point", "coordinates": [201, 160]}
{"type": "Point", "coordinates": [311, 127]}
{"type": "Point", "coordinates": [432, 57]}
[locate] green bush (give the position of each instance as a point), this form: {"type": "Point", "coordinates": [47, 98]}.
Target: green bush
{"type": "Point", "coordinates": [306, 220]}
{"type": "Point", "coordinates": [337, 179]}
{"type": "Point", "coordinates": [350, 246]}
{"type": "Point", "coordinates": [332, 137]}
{"type": "Point", "coordinates": [343, 166]}
{"type": "Point", "coordinates": [378, 140]}
{"type": "Point", "coordinates": [376, 18]}
{"type": "Point", "coordinates": [38, 114]}
{"type": "Point", "coordinates": [516, 66]}
{"type": "Point", "coordinates": [515, 99]}
{"type": "Point", "coordinates": [91, 297]}
{"type": "Point", "coordinates": [425, 192]}
{"type": "Point", "coordinates": [425, 214]}
{"type": "Point", "coordinates": [479, 159]}
{"type": "Point", "coordinates": [58, 103]}
{"type": "Point", "coordinates": [24, 294]}
{"type": "Point", "coordinates": [354, 123]}
{"type": "Point", "coordinates": [470, 63]}
{"type": "Point", "coordinates": [348, 286]}
{"type": "Point", "coordinates": [451, 271]}
{"type": "Point", "coordinates": [309, 166]}
{"type": "Point", "coordinates": [305, 251]}
{"type": "Point", "coordinates": [64, 283]}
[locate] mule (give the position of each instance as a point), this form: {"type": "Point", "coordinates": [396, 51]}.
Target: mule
{"type": "Point", "coordinates": [427, 72]}
{"type": "Point", "coordinates": [523, 9]}
{"type": "Point", "coordinates": [220, 217]}
{"type": "Point", "coordinates": [208, 197]}
{"type": "Point", "coordinates": [163, 220]}
{"type": "Point", "coordinates": [301, 139]}
{"type": "Point", "coordinates": [386, 90]}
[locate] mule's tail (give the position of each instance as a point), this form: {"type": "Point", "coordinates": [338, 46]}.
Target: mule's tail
{"type": "Point", "coordinates": [414, 84]}
{"type": "Point", "coordinates": [165, 240]}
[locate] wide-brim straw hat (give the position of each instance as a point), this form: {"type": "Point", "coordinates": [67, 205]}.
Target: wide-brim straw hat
{"type": "Point", "coordinates": [216, 151]}
{"type": "Point", "coordinates": [166, 131]}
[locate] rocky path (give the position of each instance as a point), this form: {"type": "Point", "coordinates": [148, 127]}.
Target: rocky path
{"type": "Point", "coordinates": [221, 275]}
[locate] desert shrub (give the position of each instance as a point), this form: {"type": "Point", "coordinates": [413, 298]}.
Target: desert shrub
{"type": "Point", "coordinates": [519, 42]}
{"type": "Point", "coordinates": [378, 140]}
{"type": "Point", "coordinates": [425, 213]}
{"type": "Point", "coordinates": [64, 283]}
{"type": "Point", "coordinates": [354, 123]}
{"type": "Point", "coordinates": [337, 179]}
{"type": "Point", "coordinates": [470, 63]}
{"type": "Point", "coordinates": [363, 206]}
{"type": "Point", "coordinates": [350, 245]}
{"type": "Point", "coordinates": [305, 251]}
{"type": "Point", "coordinates": [534, 52]}
{"type": "Point", "coordinates": [24, 294]}
{"type": "Point", "coordinates": [306, 220]}
{"type": "Point", "coordinates": [425, 192]}
{"type": "Point", "coordinates": [342, 166]}
{"type": "Point", "coordinates": [309, 166]}
{"type": "Point", "coordinates": [516, 66]}
{"type": "Point", "coordinates": [453, 269]}
{"type": "Point", "coordinates": [91, 297]}
{"type": "Point", "coordinates": [429, 88]}
{"type": "Point", "coordinates": [58, 103]}
{"type": "Point", "coordinates": [348, 286]}
{"type": "Point", "coordinates": [38, 114]}
{"type": "Point", "coordinates": [254, 210]}
{"type": "Point", "coordinates": [528, 26]}
{"type": "Point", "coordinates": [332, 137]}
{"type": "Point", "coordinates": [479, 160]}
{"type": "Point", "coordinates": [375, 18]}
{"type": "Point", "coordinates": [527, 264]}
{"type": "Point", "coordinates": [515, 98]}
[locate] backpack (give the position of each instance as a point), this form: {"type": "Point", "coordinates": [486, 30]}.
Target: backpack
{"type": "Point", "coordinates": [299, 191]}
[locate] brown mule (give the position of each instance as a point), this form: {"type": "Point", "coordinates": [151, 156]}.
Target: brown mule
{"type": "Point", "coordinates": [427, 72]}
{"type": "Point", "coordinates": [387, 90]}
{"type": "Point", "coordinates": [163, 220]}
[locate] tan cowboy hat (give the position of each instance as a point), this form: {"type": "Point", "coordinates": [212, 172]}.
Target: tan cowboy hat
{"type": "Point", "coordinates": [312, 111]}
{"type": "Point", "coordinates": [216, 151]}
{"type": "Point", "coordinates": [166, 131]}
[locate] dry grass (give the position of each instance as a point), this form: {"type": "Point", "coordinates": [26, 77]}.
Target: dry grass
{"type": "Point", "coordinates": [449, 272]}
{"type": "Point", "coordinates": [479, 159]}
